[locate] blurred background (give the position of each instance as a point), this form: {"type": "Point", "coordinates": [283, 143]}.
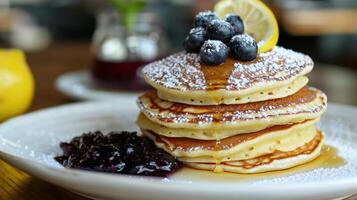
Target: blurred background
{"type": "Point", "coordinates": [106, 38]}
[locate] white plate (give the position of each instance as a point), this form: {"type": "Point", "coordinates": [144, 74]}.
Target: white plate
{"type": "Point", "coordinates": [79, 85]}
{"type": "Point", "coordinates": [30, 142]}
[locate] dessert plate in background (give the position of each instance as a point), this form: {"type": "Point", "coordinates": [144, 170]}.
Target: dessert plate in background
{"type": "Point", "coordinates": [80, 86]}
{"type": "Point", "coordinates": [31, 141]}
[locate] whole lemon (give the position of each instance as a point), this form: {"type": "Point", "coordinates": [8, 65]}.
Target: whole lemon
{"type": "Point", "coordinates": [16, 84]}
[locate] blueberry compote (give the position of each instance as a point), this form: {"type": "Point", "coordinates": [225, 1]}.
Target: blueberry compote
{"type": "Point", "coordinates": [117, 152]}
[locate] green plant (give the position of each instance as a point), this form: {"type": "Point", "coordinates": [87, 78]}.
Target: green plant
{"type": "Point", "coordinates": [128, 11]}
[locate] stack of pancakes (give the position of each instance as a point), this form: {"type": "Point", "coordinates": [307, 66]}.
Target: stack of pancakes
{"type": "Point", "coordinates": [243, 117]}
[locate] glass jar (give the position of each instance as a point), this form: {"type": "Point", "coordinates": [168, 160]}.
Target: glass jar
{"type": "Point", "coordinates": [119, 54]}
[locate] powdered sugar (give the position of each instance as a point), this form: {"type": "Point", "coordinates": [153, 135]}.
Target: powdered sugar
{"type": "Point", "coordinates": [247, 39]}
{"type": "Point", "coordinates": [271, 67]}
{"type": "Point", "coordinates": [213, 46]}
{"type": "Point", "coordinates": [179, 71]}
{"type": "Point", "coordinates": [182, 115]}
{"type": "Point", "coordinates": [205, 13]}
{"type": "Point", "coordinates": [182, 71]}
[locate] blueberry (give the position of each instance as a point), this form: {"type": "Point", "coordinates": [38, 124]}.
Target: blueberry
{"type": "Point", "coordinates": [219, 30]}
{"type": "Point", "coordinates": [195, 39]}
{"type": "Point", "coordinates": [236, 22]}
{"type": "Point", "coordinates": [202, 19]}
{"type": "Point", "coordinates": [213, 52]}
{"type": "Point", "coordinates": [243, 47]}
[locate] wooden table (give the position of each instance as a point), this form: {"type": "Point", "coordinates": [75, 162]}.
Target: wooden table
{"type": "Point", "coordinates": [67, 56]}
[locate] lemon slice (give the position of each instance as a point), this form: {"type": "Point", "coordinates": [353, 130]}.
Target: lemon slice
{"type": "Point", "coordinates": [259, 20]}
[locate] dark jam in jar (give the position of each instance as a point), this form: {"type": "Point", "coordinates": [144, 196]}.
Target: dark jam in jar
{"type": "Point", "coordinates": [117, 152]}
{"type": "Point", "coordinates": [121, 75]}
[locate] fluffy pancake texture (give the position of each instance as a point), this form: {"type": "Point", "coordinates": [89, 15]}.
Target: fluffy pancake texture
{"type": "Point", "coordinates": [273, 150]}
{"type": "Point", "coordinates": [241, 117]}
{"type": "Point", "coordinates": [274, 74]}
{"type": "Point", "coordinates": [241, 146]}
{"type": "Point", "coordinates": [307, 103]}
{"type": "Point", "coordinates": [270, 162]}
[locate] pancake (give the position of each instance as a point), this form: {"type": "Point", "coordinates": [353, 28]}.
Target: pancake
{"type": "Point", "coordinates": [208, 122]}
{"type": "Point", "coordinates": [274, 74]}
{"type": "Point", "coordinates": [241, 117]}
{"type": "Point", "coordinates": [238, 147]}
{"type": "Point", "coordinates": [269, 162]}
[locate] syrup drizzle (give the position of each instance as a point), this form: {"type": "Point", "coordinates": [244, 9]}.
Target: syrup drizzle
{"type": "Point", "coordinates": [216, 156]}
{"type": "Point", "coordinates": [216, 77]}
{"type": "Point", "coordinates": [328, 158]}
{"type": "Point", "coordinates": [301, 102]}
{"type": "Point", "coordinates": [184, 72]}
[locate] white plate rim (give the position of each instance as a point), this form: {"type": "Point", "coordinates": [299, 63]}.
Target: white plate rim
{"type": "Point", "coordinates": [64, 84]}
{"type": "Point", "coordinates": [154, 184]}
